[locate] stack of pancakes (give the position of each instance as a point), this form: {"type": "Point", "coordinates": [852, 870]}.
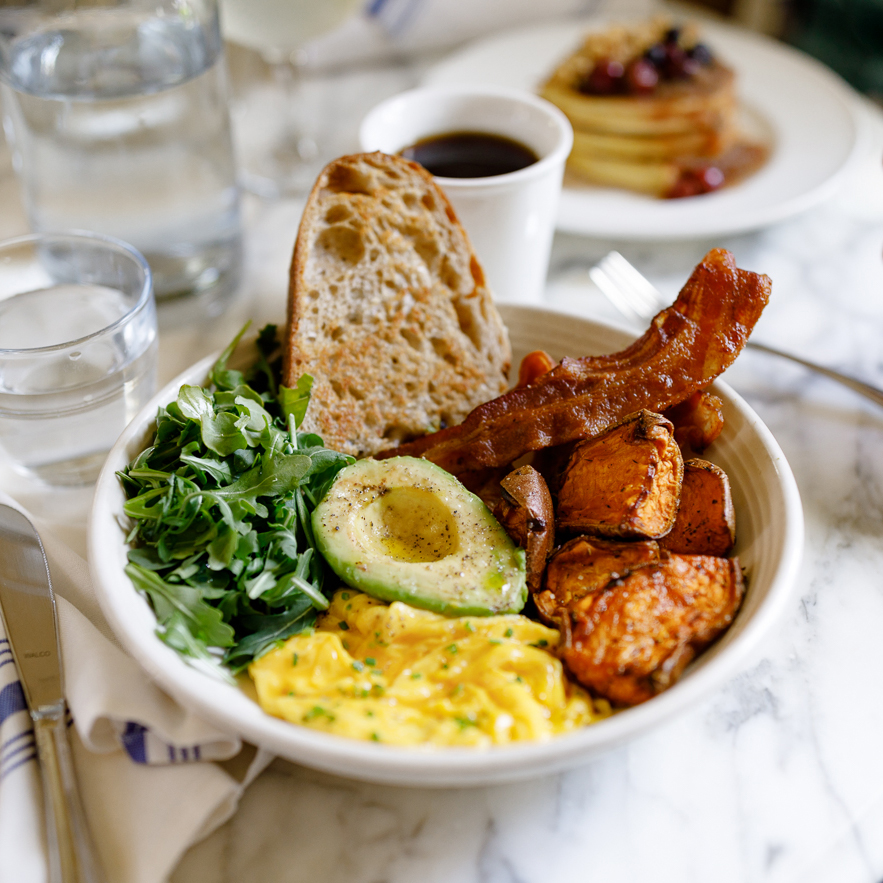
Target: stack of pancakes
{"type": "Point", "coordinates": [657, 141]}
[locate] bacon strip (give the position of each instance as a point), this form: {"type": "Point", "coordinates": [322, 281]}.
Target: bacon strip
{"type": "Point", "coordinates": [685, 348]}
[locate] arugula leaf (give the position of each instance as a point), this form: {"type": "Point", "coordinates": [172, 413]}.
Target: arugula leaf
{"type": "Point", "coordinates": [204, 622]}
{"type": "Point", "coordinates": [267, 344]}
{"type": "Point", "coordinates": [221, 502]}
{"type": "Point", "coordinates": [219, 470]}
{"type": "Point", "coordinates": [267, 632]}
{"type": "Point", "coordinates": [274, 475]}
{"type": "Point", "coordinates": [220, 430]}
{"type": "Point", "coordinates": [222, 548]}
{"type": "Point", "coordinates": [294, 402]}
{"type": "Point", "coordinates": [221, 377]}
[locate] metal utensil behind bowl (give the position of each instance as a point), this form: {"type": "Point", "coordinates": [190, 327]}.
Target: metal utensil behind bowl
{"type": "Point", "coordinates": [639, 300]}
{"type": "Point", "coordinates": [28, 606]}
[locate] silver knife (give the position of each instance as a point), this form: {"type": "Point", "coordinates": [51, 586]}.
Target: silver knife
{"type": "Point", "coordinates": [28, 606]}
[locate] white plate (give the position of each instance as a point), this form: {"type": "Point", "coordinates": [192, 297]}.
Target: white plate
{"type": "Point", "coordinates": [805, 107]}
{"type": "Point", "coordinates": [770, 540]}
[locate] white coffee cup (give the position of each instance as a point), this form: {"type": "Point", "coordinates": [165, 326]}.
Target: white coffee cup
{"type": "Point", "coordinates": [509, 218]}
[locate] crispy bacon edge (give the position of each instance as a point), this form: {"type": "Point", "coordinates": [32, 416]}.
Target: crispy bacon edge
{"type": "Point", "coordinates": [684, 349]}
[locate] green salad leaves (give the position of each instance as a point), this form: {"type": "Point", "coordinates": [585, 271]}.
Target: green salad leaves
{"type": "Point", "coordinates": [221, 501]}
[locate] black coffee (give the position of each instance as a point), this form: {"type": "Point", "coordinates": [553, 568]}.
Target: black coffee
{"type": "Point", "coordinates": [470, 155]}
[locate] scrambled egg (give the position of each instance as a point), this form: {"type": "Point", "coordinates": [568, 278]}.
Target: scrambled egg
{"type": "Point", "coordinates": [403, 676]}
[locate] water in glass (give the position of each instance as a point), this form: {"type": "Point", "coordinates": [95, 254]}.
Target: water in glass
{"type": "Point", "coordinates": [119, 124]}
{"type": "Point", "coordinates": [61, 413]}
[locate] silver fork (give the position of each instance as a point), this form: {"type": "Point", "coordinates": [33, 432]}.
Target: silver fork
{"type": "Point", "coordinates": [639, 300]}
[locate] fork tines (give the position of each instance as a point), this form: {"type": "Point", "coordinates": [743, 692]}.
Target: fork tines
{"type": "Point", "coordinates": [626, 288]}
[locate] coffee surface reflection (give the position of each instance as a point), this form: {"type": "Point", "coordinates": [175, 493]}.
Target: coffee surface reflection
{"type": "Point", "coordinates": [470, 155]}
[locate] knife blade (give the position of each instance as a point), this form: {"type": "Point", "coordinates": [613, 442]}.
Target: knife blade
{"type": "Point", "coordinates": [27, 603]}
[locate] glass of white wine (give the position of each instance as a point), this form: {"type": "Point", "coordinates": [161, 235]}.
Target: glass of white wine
{"type": "Point", "coordinates": [278, 148]}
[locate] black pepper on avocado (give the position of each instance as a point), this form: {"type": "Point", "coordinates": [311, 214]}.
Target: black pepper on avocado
{"type": "Point", "coordinates": [403, 529]}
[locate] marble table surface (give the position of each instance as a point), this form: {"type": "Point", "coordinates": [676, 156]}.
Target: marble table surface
{"type": "Point", "coordinates": [776, 777]}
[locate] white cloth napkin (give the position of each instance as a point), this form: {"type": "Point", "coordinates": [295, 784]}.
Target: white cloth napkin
{"type": "Point", "coordinates": [144, 762]}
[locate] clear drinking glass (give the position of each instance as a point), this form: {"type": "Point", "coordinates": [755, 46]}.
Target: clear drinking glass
{"type": "Point", "coordinates": [77, 351]}
{"type": "Point", "coordinates": [279, 151]}
{"type": "Point", "coordinates": [117, 117]}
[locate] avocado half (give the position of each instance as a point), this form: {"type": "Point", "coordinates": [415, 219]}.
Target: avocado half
{"type": "Point", "coordinates": [403, 529]}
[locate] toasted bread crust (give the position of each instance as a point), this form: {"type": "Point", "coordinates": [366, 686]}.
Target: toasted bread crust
{"type": "Point", "coordinates": [388, 309]}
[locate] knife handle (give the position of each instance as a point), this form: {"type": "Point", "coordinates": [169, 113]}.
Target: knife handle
{"type": "Point", "coordinates": [71, 855]}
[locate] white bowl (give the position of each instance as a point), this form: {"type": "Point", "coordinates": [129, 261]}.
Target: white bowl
{"type": "Point", "coordinates": [769, 522]}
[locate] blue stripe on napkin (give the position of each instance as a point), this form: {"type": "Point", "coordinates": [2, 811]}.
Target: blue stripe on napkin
{"type": "Point", "coordinates": [5, 653]}
{"type": "Point", "coordinates": [17, 747]}
{"type": "Point", "coordinates": [26, 746]}
{"type": "Point", "coordinates": [142, 746]}
{"type": "Point", "coordinates": [12, 700]}
{"type": "Point", "coordinates": [133, 741]}
{"type": "Point", "coordinates": [27, 734]}
{"type": "Point", "coordinates": [5, 771]}
{"type": "Point", "coordinates": [17, 751]}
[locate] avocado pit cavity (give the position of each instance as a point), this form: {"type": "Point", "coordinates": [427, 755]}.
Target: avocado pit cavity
{"type": "Point", "coordinates": [409, 524]}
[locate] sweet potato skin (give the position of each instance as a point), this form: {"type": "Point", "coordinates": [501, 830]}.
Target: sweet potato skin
{"type": "Point", "coordinates": [526, 512]}
{"type": "Point", "coordinates": [685, 348]}
{"type": "Point", "coordinates": [706, 521]}
{"type": "Point", "coordinates": [633, 639]}
{"type": "Point", "coordinates": [585, 565]}
{"type": "Point", "coordinates": [698, 421]}
{"type": "Point", "coordinates": [625, 482]}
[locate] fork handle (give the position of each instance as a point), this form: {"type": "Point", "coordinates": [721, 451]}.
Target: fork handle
{"type": "Point", "coordinates": [71, 856]}
{"type": "Point", "coordinates": [865, 389]}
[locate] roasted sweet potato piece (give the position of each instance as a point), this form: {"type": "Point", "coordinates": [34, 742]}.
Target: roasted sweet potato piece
{"type": "Point", "coordinates": [633, 639]}
{"type": "Point", "coordinates": [625, 482]}
{"type": "Point", "coordinates": [685, 348]}
{"type": "Point", "coordinates": [698, 421]}
{"type": "Point", "coordinates": [525, 511]}
{"type": "Point", "coordinates": [533, 366]}
{"type": "Point", "coordinates": [706, 522]}
{"type": "Point", "coordinates": [588, 564]}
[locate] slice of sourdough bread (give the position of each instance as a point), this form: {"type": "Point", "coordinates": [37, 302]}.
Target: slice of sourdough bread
{"type": "Point", "coordinates": [388, 309]}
